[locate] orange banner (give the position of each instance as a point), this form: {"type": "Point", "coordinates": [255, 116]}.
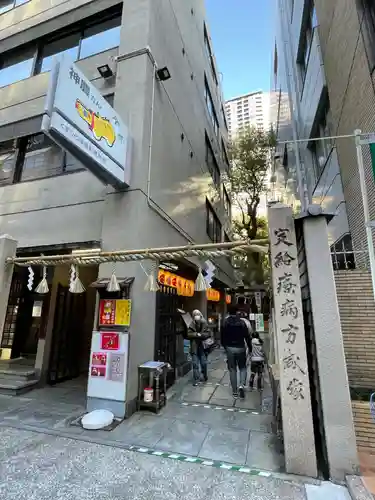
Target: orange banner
{"type": "Point", "coordinates": [228, 299]}
{"type": "Point", "coordinates": [184, 287]}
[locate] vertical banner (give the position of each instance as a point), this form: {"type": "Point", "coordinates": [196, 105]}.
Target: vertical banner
{"type": "Point", "coordinates": [298, 429]}
{"type": "Point", "coordinates": [259, 323]}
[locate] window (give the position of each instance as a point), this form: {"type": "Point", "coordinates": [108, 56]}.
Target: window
{"type": "Point", "coordinates": [224, 155]}
{"type": "Point", "coordinates": [100, 37]}
{"type": "Point", "coordinates": [16, 66]}
{"type": "Point", "coordinates": [6, 5]}
{"type": "Point", "coordinates": [66, 45]}
{"type": "Point", "coordinates": [366, 9]}
{"type": "Point", "coordinates": [209, 54]}
{"type": "Point", "coordinates": [81, 43]}
{"type": "Point", "coordinates": [309, 26]}
{"type": "Point", "coordinates": [7, 162]}
{"type": "Point", "coordinates": [210, 106]}
{"type": "Point", "coordinates": [321, 150]}
{"type": "Point", "coordinates": [213, 225]}
{"type": "Point", "coordinates": [212, 163]}
{"type": "Point", "coordinates": [224, 117]}
{"type": "Point", "coordinates": [40, 157]}
{"type": "Point", "coordinates": [227, 204]}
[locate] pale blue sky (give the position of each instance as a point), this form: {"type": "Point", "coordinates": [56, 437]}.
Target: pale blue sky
{"type": "Point", "coordinates": [242, 35]}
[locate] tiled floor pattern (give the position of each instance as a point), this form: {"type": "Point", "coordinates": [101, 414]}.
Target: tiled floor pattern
{"type": "Point", "coordinates": [198, 422]}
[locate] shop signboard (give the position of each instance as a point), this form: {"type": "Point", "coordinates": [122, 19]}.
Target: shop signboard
{"type": "Point", "coordinates": [81, 121]}
{"type": "Point", "coordinates": [108, 368]}
{"type": "Point", "coordinates": [110, 341]}
{"type": "Point", "coordinates": [184, 287]}
{"type": "Point", "coordinates": [114, 312]}
{"type": "Point", "coordinates": [259, 322]}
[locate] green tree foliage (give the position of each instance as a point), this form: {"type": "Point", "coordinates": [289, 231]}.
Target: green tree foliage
{"type": "Point", "coordinates": [249, 154]}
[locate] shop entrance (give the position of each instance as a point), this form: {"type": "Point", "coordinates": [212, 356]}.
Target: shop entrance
{"type": "Point", "coordinates": [73, 319]}
{"type": "Point", "coordinates": [70, 312]}
{"type": "Point", "coordinates": [26, 318]}
{"type": "Point", "coordinates": [167, 319]}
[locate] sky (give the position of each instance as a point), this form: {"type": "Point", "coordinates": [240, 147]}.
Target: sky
{"type": "Point", "coordinates": [242, 35]}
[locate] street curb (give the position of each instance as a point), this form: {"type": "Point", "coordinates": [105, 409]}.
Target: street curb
{"type": "Point", "coordinates": [357, 488]}
{"type": "Point", "coordinates": [147, 451]}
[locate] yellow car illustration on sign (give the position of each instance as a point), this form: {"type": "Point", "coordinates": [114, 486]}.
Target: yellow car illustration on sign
{"type": "Point", "coordinates": [101, 128]}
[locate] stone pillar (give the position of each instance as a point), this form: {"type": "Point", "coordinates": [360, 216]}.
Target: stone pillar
{"type": "Point", "coordinates": [8, 247]}
{"type": "Point", "coordinates": [298, 431]}
{"type": "Point", "coordinates": [333, 379]}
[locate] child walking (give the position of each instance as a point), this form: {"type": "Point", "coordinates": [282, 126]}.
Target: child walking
{"type": "Point", "coordinates": [257, 361]}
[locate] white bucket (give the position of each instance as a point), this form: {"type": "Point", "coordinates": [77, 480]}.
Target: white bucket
{"type": "Point", "coordinates": [148, 395]}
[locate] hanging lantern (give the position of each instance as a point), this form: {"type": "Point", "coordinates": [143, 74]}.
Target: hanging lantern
{"type": "Point", "coordinates": [113, 285]}
{"type": "Point", "coordinates": [76, 285]}
{"type": "Point", "coordinates": [200, 282]}
{"type": "Point", "coordinates": [43, 285]}
{"type": "Point", "coordinates": [152, 279]}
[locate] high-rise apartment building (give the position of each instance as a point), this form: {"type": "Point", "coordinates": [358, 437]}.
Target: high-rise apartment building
{"type": "Point", "coordinates": [247, 110]}
{"type": "Point", "coordinates": [50, 201]}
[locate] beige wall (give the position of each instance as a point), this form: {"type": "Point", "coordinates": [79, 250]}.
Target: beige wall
{"type": "Point", "coordinates": [357, 313]}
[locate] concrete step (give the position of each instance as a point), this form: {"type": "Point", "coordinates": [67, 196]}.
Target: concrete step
{"type": "Point", "coordinates": [14, 386]}
{"type": "Point", "coordinates": [17, 373]}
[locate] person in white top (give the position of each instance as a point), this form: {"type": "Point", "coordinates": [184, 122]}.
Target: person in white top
{"type": "Point", "coordinates": [257, 361]}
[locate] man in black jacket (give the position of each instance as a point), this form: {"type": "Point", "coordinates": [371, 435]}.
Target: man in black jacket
{"type": "Point", "coordinates": [234, 334]}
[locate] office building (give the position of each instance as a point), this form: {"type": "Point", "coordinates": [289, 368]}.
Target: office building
{"type": "Point", "coordinates": [313, 104]}
{"type": "Point", "coordinates": [51, 203]}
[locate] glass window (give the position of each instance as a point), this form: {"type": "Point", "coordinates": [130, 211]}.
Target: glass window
{"type": "Point", "coordinates": [210, 107]}
{"type": "Point", "coordinates": [100, 37]}
{"type": "Point", "coordinates": [43, 158]}
{"type": "Point", "coordinates": [209, 55]}
{"type": "Point", "coordinates": [227, 204]}
{"type": "Point", "coordinates": [224, 155]}
{"type": "Point", "coordinates": [16, 67]}
{"type": "Point", "coordinates": [67, 45]}
{"type": "Point", "coordinates": [7, 162]}
{"type": "Point", "coordinates": [71, 164]}
{"type": "Point", "coordinates": [6, 5]}
{"type": "Point", "coordinates": [322, 149]}
{"type": "Point", "coordinates": [213, 225]}
{"type": "Point", "coordinates": [212, 163]}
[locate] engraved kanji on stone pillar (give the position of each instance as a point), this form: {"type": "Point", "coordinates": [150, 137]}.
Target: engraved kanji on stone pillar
{"type": "Point", "coordinates": [300, 456]}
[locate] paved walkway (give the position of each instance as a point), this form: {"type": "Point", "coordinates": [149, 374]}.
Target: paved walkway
{"type": "Point", "coordinates": [201, 446]}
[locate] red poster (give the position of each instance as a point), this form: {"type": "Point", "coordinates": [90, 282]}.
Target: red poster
{"type": "Point", "coordinates": [98, 371]}
{"type": "Point", "coordinates": [110, 341]}
{"type": "Point", "coordinates": [99, 359]}
{"type": "Point", "coordinates": [107, 312]}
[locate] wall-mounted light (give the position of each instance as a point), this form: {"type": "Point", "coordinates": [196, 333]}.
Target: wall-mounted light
{"type": "Point", "coordinates": [163, 74]}
{"type": "Point", "coordinates": [105, 71]}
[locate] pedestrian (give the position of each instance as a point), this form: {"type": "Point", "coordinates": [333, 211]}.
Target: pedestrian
{"type": "Point", "coordinates": [257, 361]}
{"type": "Point", "coordinates": [198, 332]}
{"type": "Point", "coordinates": [234, 335]}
